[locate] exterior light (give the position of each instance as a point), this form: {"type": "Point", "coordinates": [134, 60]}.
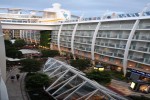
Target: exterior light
{"type": "Point", "coordinates": [132, 85]}
{"type": "Point", "coordinates": [99, 67]}
{"type": "Point", "coordinates": [146, 69]}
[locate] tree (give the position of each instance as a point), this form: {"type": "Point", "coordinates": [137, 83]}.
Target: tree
{"type": "Point", "coordinates": [37, 81]}
{"type": "Point", "coordinates": [100, 77]}
{"type": "Point", "coordinates": [19, 43]}
{"type": "Point", "coordinates": [45, 38]}
{"type": "Point", "coordinates": [81, 64]}
{"type": "Point", "coordinates": [11, 51]}
{"type": "Point", "coordinates": [30, 65]}
{"type": "Point", "coordinates": [49, 53]}
{"type": "Point", "coordinates": [8, 43]}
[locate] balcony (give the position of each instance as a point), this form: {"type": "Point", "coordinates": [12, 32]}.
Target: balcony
{"type": "Point", "coordinates": [108, 53]}
{"type": "Point", "coordinates": [139, 59]}
{"type": "Point", "coordinates": [88, 49]}
{"type": "Point", "coordinates": [120, 36]}
{"type": "Point", "coordinates": [141, 37]}
{"type": "Point", "coordinates": [120, 46]}
{"type": "Point", "coordinates": [147, 60]}
{"type": "Point", "coordinates": [113, 36]}
{"type": "Point", "coordinates": [111, 45]}
{"type": "Point", "coordinates": [144, 49]}
{"type": "Point", "coordinates": [119, 55]}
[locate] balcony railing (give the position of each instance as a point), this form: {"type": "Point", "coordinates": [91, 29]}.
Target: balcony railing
{"type": "Point", "coordinates": [141, 37]}
{"type": "Point", "coordinates": [145, 49]}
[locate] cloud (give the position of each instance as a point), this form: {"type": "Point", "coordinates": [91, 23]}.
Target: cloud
{"type": "Point", "coordinates": [88, 7]}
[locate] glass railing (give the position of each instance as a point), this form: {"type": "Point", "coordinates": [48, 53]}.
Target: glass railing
{"type": "Point", "coordinates": [140, 59]}
{"type": "Point", "coordinates": [145, 49]}
{"type": "Point", "coordinates": [119, 36]}
{"type": "Point", "coordinates": [118, 55]}
{"type": "Point", "coordinates": [141, 37]}
{"type": "Point", "coordinates": [147, 60]}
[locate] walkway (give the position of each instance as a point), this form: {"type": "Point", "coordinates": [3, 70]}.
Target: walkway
{"type": "Point", "coordinates": [16, 89]}
{"type": "Point", "coordinates": [123, 88]}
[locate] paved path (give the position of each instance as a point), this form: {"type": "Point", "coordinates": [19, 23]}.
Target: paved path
{"type": "Point", "coordinates": [123, 88]}
{"type": "Point", "coordinates": [16, 88]}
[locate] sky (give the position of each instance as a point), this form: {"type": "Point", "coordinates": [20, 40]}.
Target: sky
{"type": "Point", "coordinates": [87, 8]}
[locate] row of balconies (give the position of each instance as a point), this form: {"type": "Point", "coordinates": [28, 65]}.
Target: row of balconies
{"type": "Point", "coordinates": [83, 41]}
{"type": "Point", "coordinates": [118, 36]}
{"type": "Point", "coordinates": [83, 48]}
{"type": "Point", "coordinates": [84, 34]}
{"type": "Point", "coordinates": [141, 37]}
{"type": "Point", "coordinates": [65, 45]}
{"type": "Point", "coordinates": [68, 27]}
{"type": "Point", "coordinates": [144, 26]}
{"type": "Point", "coordinates": [66, 34]}
{"type": "Point", "coordinates": [140, 59]}
{"type": "Point", "coordinates": [67, 40]}
{"type": "Point", "coordinates": [112, 54]}
{"type": "Point", "coordinates": [86, 27]}
{"type": "Point", "coordinates": [117, 26]}
{"type": "Point", "coordinates": [145, 49]}
{"type": "Point", "coordinates": [122, 46]}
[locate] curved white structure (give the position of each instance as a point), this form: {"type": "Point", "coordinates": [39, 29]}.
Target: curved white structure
{"type": "Point", "coordinates": [93, 40]}
{"type": "Point", "coordinates": [70, 83]}
{"type": "Point", "coordinates": [72, 39]}
{"type": "Point", "coordinates": [3, 90]}
{"type": "Point", "coordinates": [58, 39]}
{"type": "Point", "coordinates": [121, 40]}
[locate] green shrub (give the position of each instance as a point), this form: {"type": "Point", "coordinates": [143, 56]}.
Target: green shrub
{"type": "Point", "coordinates": [49, 53]}
{"type": "Point", "coordinates": [19, 43]}
{"type": "Point", "coordinates": [100, 77]}
{"type": "Point", "coordinates": [37, 81]}
{"type": "Point", "coordinates": [30, 65]}
{"type": "Point", "coordinates": [81, 64]}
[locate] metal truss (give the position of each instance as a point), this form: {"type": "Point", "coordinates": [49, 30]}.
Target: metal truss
{"type": "Point", "coordinates": [68, 83]}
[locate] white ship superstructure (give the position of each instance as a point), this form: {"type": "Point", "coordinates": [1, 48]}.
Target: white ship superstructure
{"type": "Point", "coordinates": [121, 40]}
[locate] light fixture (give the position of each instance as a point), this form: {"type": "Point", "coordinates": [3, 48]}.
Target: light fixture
{"type": "Point", "coordinates": [132, 85]}
{"type": "Point", "coordinates": [146, 69]}
{"type": "Point", "coordinates": [99, 67]}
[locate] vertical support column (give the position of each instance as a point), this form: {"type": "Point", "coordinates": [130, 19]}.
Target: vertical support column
{"type": "Point", "coordinates": [23, 34]}
{"type": "Point", "coordinates": [58, 38]}
{"type": "Point", "coordinates": [2, 55]}
{"type": "Point", "coordinates": [30, 36]}
{"type": "Point", "coordinates": [26, 36]}
{"type": "Point", "coordinates": [93, 42]}
{"type": "Point", "coordinates": [20, 34]}
{"type": "Point", "coordinates": [35, 37]}
{"type": "Point", "coordinates": [3, 89]}
{"type": "Point", "coordinates": [130, 40]}
{"type": "Point", "coordinates": [72, 39]}
{"type": "Point", "coordinates": [13, 33]}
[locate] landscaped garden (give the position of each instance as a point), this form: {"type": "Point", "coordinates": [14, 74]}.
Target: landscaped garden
{"type": "Point", "coordinates": [35, 84]}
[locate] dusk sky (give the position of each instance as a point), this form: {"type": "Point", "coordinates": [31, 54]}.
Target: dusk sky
{"type": "Point", "coordinates": [79, 7]}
